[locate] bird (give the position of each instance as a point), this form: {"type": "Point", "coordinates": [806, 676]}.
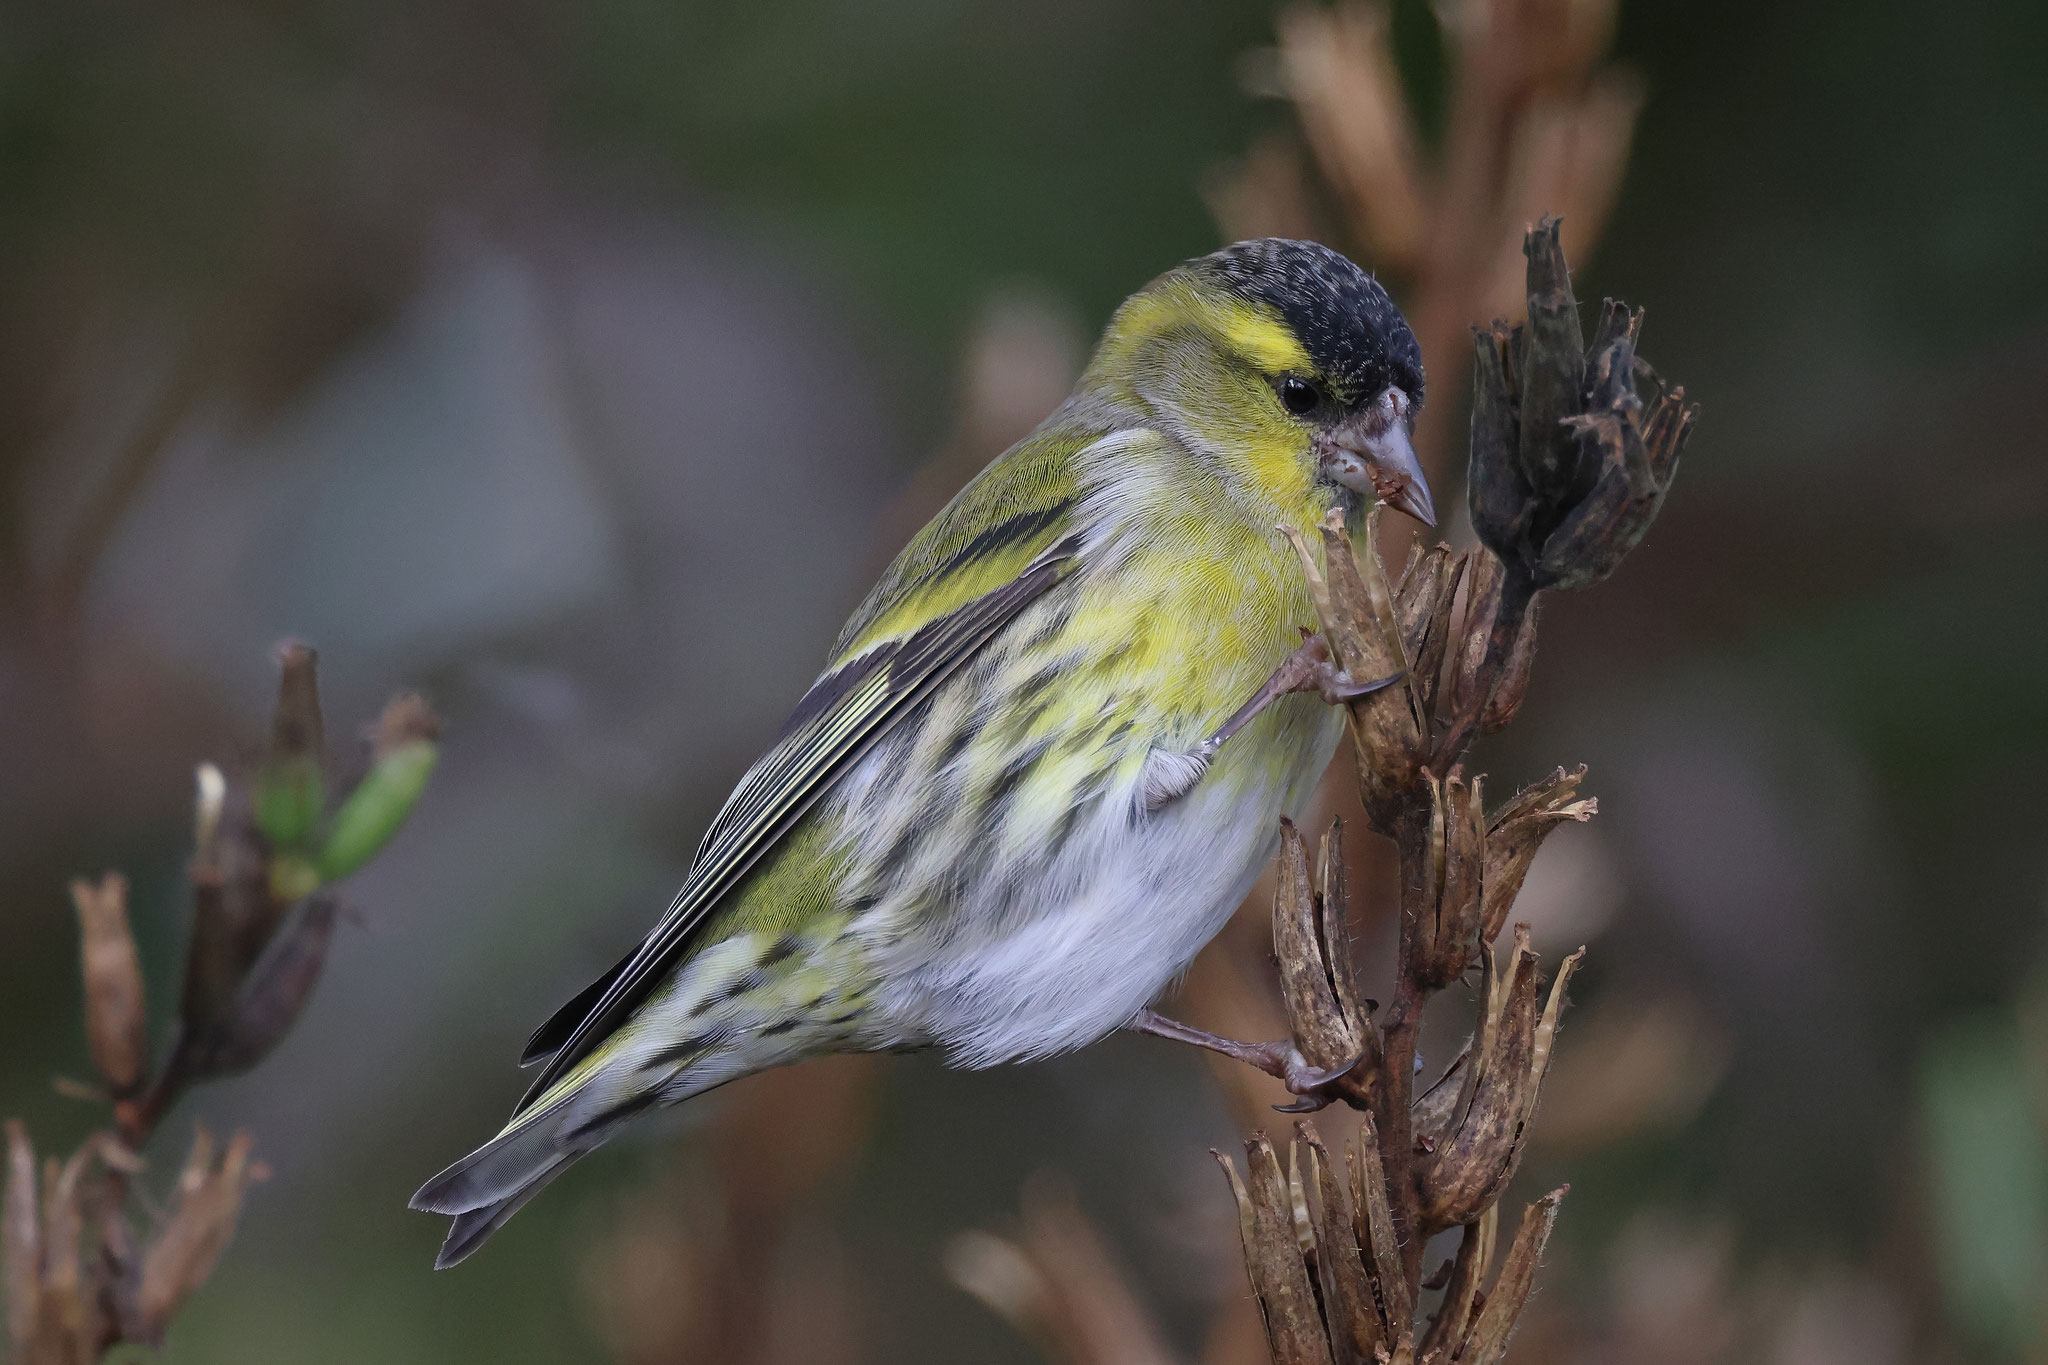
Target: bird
{"type": "Point", "coordinates": [1048, 755]}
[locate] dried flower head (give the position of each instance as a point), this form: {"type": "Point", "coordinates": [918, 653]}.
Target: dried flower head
{"type": "Point", "coordinates": [1570, 461]}
{"type": "Point", "coordinates": [116, 1016]}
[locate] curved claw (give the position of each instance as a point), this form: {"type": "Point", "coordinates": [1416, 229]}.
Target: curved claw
{"type": "Point", "coordinates": [1310, 1084]}
{"type": "Point", "coordinates": [1302, 1078]}
{"type": "Point", "coordinates": [1336, 685]}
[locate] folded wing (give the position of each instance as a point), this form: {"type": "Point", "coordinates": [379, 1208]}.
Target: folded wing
{"type": "Point", "coordinates": [1004, 543]}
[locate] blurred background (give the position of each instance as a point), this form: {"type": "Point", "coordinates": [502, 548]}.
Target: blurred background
{"type": "Point", "coordinates": [579, 365]}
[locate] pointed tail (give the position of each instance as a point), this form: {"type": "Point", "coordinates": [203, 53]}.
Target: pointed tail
{"type": "Point", "coordinates": [574, 1116]}
{"type": "Point", "coordinates": [494, 1182]}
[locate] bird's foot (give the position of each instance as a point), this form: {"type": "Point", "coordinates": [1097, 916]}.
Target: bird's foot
{"type": "Point", "coordinates": [1308, 669]}
{"type": "Point", "coordinates": [1168, 775]}
{"type": "Point", "coordinates": [1313, 1086]}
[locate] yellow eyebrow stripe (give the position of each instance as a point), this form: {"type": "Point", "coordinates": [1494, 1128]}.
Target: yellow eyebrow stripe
{"type": "Point", "coordinates": [1254, 331]}
{"type": "Point", "coordinates": [1259, 336]}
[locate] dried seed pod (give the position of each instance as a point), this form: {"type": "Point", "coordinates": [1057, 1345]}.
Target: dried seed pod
{"type": "Point", "coordinates": [296, 725]}
{"type": "Point", "coordinates": [1496, 490]}
{"type": "Point", "coordinates": [1354, 643]}
{"type": "Point", "coordinates": [201, 1223]}
{"type": "Point", "coordinates": [1474, 1155]}
{"type": "Point", "coordinates": [1488, 1339]}
{"type": "Point", "coordinates": [1430, 643]}
{"type": "Point", "coordinates": [1272, 1254]}
{"type": "Point", "coordinates": [233, 914]}
{"type": "Point", "coordinates": [1379, 1238]}
{"type": "Point", "coordinates": [1423, 580]}
{"type": "Point", "coordinates": [1356, 611]}
{"type": "Point", "coordinates": [1553, 366]}
{"type": "Point", "coordinates": [1512, 682]}
{"type": "Point", "coordinates": [67, 1326]}
{"type": "Point", "coordinates": [1350, 1305]}
{"type": "Point", "coordinates": [1361, 591]}
{"type": "Point", "coordinates": [1340, 964]}
{"type": "Point", "coordinates": [272, 995]}
{"type": "Point", "coordinates": [1458, 1313]}
{"type": "Point", "coordinates": [1517, 831]}
{"type": "Point", "coordinates": [1666, 425]}
{"type": "Point", "coordinates": [1468, 1162]}
{"type": "Point", "coordinates": [1471, 684]}
{"type": "Point", "coordinates": [1569, 463]}
{"type": "Point", "coordinates": [1433, 1110]}
{"type": "Point", "coordinates": [1457, 860]}
{"type": "Point", "coordinates": [1329, 1031]}
{"type": "Point", "coordinates": [116, 1016]}
{"type": "Point", "coordinates": [1611, 517]}
{"type": "Point", "coordinates": [1618, 322]}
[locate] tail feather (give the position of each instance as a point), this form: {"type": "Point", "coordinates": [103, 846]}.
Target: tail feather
{"type": "Point", "coordinates": [494, 1182]}
{"type": "Point", "coordinates": [574, 1116]}
{"type": "Point", "coordinates": [470, 1228]}
{"type": "Point", "coordinates": [502, 1167]}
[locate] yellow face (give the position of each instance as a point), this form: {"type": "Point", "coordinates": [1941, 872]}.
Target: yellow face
{"type": "Point", "coordinates": [1210, 365]}
{"type": "Point", "coordinates": [1236, 384]}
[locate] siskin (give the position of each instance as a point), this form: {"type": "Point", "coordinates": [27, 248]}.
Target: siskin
{"type": "Point", "coordinates": [1029, 786]}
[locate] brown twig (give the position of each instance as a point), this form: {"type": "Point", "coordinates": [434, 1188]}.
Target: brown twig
{"type": "Point", "coordinates": [76, 1282]}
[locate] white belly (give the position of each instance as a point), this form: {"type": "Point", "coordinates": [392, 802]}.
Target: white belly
{"type": "Point", "coordinates": [1121, 911]}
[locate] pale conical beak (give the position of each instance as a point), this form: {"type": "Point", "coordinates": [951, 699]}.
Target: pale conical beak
{"type": "Point", "coordinates": [1372, 454]}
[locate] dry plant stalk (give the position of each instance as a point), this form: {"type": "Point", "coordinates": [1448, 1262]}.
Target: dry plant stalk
{"type": "Point", "coordinates": [267, 851]}
{"type": "Point", "coordinates": [1573, 448]}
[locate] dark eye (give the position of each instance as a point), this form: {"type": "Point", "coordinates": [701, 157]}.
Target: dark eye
{"type": "Point", "coordinates": [1298, 395]}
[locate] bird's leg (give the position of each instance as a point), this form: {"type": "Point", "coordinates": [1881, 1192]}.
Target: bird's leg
{"type": "Point", "coordinates": [1281, 1060]}
{"type": "Point", "coordinates": [1308, 669]}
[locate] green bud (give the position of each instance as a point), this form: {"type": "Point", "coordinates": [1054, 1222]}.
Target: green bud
{"type": "Point", "coordinates": [290, 794]}
{"type": "Point", "coordinates": [290, 791]}
{"type": "Point", "coordinates": [374, 811]}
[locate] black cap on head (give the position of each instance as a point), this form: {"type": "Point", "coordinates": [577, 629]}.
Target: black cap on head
{"type": "Point", "coordinates": [1344, 319]}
